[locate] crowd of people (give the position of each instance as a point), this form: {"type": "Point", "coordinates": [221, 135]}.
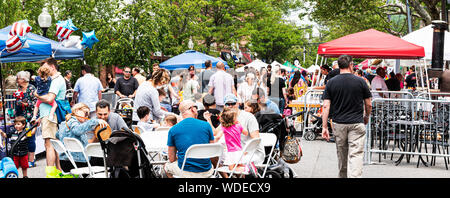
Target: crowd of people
{"type": "Point", "coordinates": [199, 105]}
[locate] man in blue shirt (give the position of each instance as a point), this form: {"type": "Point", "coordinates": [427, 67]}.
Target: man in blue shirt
{"type": "Point", "coordinates": [87, 90]}
{"type": "Point", "coordinates": [259, 95]}
{"type": "Point", "coordinates": [186, 133]}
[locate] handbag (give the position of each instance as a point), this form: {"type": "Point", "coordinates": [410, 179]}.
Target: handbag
{"type": "Point", "coordinates": [292, 152]}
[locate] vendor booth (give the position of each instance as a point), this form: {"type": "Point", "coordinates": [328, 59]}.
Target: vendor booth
{"type": "Point", "coordinates": [188, 58]}
{"type": "Point", "coordinates": [58, 51]}
{"type": "Point", "coordinates": [371, 44]}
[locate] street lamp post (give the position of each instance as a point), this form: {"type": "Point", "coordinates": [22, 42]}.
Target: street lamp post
{"type": "Point", "coordinates": [44, 20]}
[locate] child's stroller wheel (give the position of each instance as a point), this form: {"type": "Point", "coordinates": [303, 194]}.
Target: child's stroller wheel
{"type": "Point", "coordinates": [309, 136]}
{"type": "Point", "coordinates": [272, 174]}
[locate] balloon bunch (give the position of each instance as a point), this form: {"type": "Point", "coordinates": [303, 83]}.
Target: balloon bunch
{"type": "Point", "coordinates": [64, 29]}
{"type": "Point", "coordinates": [16, 37]}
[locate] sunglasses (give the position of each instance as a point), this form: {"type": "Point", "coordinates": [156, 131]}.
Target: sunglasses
{"type": "Point", "coordinates": [230, 104]}
{"type": "Point", "coordinates": [126, 71]}
{"type": "Point", "coordinates": [195, 106]}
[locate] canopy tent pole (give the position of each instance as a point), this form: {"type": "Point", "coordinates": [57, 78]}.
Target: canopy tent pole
{"type": "Point", "coordinates": [428, 81]}
{"type": "Point", "coordinates": [317, 59]}
{"type": "Point", "coordinates": [3, 99]}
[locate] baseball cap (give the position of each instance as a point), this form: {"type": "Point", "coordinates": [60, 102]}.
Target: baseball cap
{"type": "Point", "coordinates": [230, 98]}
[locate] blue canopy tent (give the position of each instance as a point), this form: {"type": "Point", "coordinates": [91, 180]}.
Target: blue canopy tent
{"type": "Point", "coordinates": [60, 52]}
{"type": "Point", "coordinates": [188, 58]}
{"type": "Point", "coordinates": [37, 51]}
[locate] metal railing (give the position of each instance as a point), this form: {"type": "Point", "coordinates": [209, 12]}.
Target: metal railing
{"type": "Point", "coordinates": [407, 128]}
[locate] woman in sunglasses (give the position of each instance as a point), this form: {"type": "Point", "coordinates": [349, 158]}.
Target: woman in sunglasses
{"type": "Point", "coordinates": [77, 125]}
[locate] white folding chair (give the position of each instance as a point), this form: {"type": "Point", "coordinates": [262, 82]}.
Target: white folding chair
{"type": "Point", "coordinates": [60, 149]}
{"type": "Point", "coordinates": [267, 140]}
{"type": "Point", "coordinates": [95, 150]}
{"type": "Point", "coordinates": [74, 145]}
{"type": "Point", "coordinates": [249, 149]}
{"type": "Point", "coordinates": [162, 129]}
{"type": "Point", "coordinates": [203, 151]}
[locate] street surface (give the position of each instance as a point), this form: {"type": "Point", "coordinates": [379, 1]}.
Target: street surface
{"type": "Point", "coordinates": [320, 161]}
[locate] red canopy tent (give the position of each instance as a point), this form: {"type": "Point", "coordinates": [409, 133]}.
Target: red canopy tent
{"type": "Point", "coordinates": [371, 44]}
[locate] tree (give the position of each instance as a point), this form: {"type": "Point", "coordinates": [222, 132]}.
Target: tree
{"type": "Point", "coordinates": [340, 18]}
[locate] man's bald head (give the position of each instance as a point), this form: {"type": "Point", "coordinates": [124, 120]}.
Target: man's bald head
{"type": "Point", "coordinates": [220, 65]}
{"type": "Point", "coordinates": [187, 109]}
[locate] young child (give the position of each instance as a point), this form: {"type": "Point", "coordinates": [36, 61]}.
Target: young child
{"type": "Point", "coordinates": [20, 153]}
{"type": "Point", "coordinates": [43, 82]}
{"type": "Point", "coordinates": [170, 121]}
{"type": "Point", "coordinates": [144, 115]}
{"type": "Point", "coordinates": [232, 131]}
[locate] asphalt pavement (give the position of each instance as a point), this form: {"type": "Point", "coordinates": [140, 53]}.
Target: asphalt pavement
{"type": "Point", "coordinates": [320, 161]}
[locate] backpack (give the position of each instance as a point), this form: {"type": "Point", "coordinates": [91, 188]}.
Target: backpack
{"type": "Point", "coordinates": [62, 110]}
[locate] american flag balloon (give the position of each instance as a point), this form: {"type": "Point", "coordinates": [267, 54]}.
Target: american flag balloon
{"type": "Point", "coordinates": [15, 43]}
{"type": "Point", "coordinates": [16, 37]}
{"type": "Point", "coordinates": [20, 28]}
{"type": "Point", "coordinates": [64, 29]}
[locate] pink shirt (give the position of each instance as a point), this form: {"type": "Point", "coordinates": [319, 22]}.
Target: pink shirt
{"type": "Point", "coordinates": [233, 137]}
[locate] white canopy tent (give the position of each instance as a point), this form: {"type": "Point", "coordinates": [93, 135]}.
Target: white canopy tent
{"type": "Point", "coordinates": [424, 37]}
{"type": "Point", "coordinates": [257, 64]}
{"type": "Point", "coordinates": [275, 63]}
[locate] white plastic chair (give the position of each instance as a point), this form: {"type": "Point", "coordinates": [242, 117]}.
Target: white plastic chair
{"type": "Point", "coordinates": [74, 145]}
{"type": "Point", "coordinates": [59, 148]}
{"type": "Point", "coordinates": [95, 150]}
{"type": "Point", "coordinates": [267, 140]}
{"type": "Point", "coordinates": [162, 129]}
{"type": "Point", "coordinates": [249, 149]}
{"type": "Point", "coordinates": [203, 151]}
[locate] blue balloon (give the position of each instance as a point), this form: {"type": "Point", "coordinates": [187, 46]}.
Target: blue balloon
{"type": "Point", "coordinates": [89, 39]}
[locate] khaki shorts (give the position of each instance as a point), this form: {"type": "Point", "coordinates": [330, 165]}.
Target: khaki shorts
{"type": "Point", "coordinates": [172, 168]}
{"type": "Point", "coordinates": [48, 128]}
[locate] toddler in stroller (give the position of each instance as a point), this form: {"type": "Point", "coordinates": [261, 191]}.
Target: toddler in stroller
{"type": "Point", "coordinates": [125, 155]}
{"type": "Point", "coordinates": [315, 130]}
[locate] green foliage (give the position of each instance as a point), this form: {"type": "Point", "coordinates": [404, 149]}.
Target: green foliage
{"type": "Point", "coordinates": [129, 32]}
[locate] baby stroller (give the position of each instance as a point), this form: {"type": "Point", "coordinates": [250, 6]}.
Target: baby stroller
{"type": "Point", "coordinates": [125, 155]}
{"type": "Point", "coordinates": [274, 123]}
{"type": "Point", "coordinates": [124, 107]}
{"type": "Point", "coordinates": [315, 129]}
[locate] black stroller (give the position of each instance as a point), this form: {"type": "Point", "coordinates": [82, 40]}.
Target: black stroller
{"type": "Point", "coordinates": [124, 107]}
{"type": "Point", "coordinates": [316, 129]}
{"type": "Point", "coordinates": [125, 155]}
{"type": "Point", "coordinates": [274, 123]}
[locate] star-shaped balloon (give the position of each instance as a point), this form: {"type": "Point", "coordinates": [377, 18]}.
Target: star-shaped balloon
{"type": "Point", "coordinates": [64, 29]}
{"type": "Point", "coordinates": [89, 39]}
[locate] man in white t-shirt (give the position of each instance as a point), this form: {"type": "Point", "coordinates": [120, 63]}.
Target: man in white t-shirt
{"type": "Point", "coordinates": [221, 84]}
{"type": "Point", "coordinates": [378, 84]}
